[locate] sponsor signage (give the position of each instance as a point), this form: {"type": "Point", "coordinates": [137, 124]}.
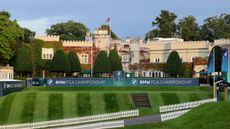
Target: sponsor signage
{"type": "Point", "coordinates": [122, 82]}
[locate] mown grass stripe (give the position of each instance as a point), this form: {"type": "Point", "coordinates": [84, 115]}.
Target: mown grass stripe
{"type": "Point", "coordinates": [184, 97]}
{"type": "Point", "coordinates": [111, 103]}
{"type": "Point", "coordinates": [170, 98]}
{"type": "Point", "coordinates": [41, 107]}
{"type": "Point", "coordinates": [124, 101]}
{"type": "Point", "coordinates": [28, 108]}
{"type": "Point", "coordinates": [5, 108]}
{"type": "Point", "coordinates": [69, 105]}
{"type": "Point", "coordinates": [16, 108]}
{"type": "Point", "coordinates": [194, 97]}
{"type": "Point", "coordinates": [55, 108]}
{"type": "Point", "coordinates": [84, 107]}
{"type": "Point", "coordinates": [98, 104]}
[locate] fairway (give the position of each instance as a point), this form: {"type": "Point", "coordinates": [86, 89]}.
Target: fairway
{"type": "Point", "coordinates": [50, 103]}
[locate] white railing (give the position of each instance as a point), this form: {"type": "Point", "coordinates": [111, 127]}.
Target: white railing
{"type": "Point", "coordinates": [74, 121]}
{"type": "Point", "coordinates": [172, 115]}
{"type": "Point", "coordinates": [187, 105]}
{"type": "Point", "coordinates": [100, 125]}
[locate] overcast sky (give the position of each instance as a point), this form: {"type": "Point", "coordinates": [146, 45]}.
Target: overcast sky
{"type": "Point", "coordinates": [129, 17]}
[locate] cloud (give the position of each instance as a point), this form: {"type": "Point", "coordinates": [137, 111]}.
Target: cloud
{"type": "Point", "coordinates": [40, 25]}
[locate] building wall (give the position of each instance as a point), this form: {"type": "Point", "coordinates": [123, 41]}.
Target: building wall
{"type": "Point", "coordinates": [48, 38]}
{"type": "Point", "coordinates": [6, 73]}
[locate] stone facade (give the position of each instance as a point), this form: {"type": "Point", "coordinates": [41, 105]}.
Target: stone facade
{"type": "Point", "coordinates": [6, 72]}
{"type": "Point", "coordinates": [134, 52]}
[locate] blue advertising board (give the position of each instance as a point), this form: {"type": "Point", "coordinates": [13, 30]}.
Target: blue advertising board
{"type": "Point", "coordinates": [125, 82]}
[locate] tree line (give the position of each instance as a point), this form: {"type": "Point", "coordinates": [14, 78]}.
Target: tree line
{"type": "Point", "coordinates": [216, 27]}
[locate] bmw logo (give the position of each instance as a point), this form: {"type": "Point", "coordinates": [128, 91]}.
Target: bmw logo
{"type": "Point", "coordinates": [50, 82]}
{"type": "Point", "coordinates": [134, 82]}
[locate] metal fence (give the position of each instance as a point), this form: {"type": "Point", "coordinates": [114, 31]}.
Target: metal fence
{"type": "Point", "coordinates": [74, 121]}
{"type": "Point", "coordinates": [187, 105]}
{"type": "Point", "coordinates": [172, 115]}
{"type": "Point", "coordinates": [100, 125]}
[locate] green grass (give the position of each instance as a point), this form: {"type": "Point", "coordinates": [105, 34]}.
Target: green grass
{"type": "Point", "coordinates": [55, 106]}
{"type": "Point", "coordinates": [170, 98]}
{"type": "Point", "coordinates": [208, 116]}
{"type": "Point", "coordinates": [48, 103]}
{"type": "Point", "coordinates": [111, 102]}
{"type": "Point", "coordinates": [5, 108]}
{"type": "Point", "coordinates": [84, 107]}
{"type": "Point", "coordinates": [28, 111]}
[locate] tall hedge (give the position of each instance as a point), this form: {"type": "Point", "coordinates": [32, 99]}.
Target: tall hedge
{"type": "Point", "coordinates": [174, 65]}
{"type": "Point", "coordinates": [115, 61]}
{"type": "Point", "coordinates": [102, 63]}
{"type": "Point", "coordinates": [74, 62]}
{"type": "Point", "coordinates": [24, 60]}
{"type": "Point", "coordinates": [60, 62]}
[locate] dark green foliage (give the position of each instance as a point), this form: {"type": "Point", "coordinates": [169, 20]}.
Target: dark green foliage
{"type": "Point", "coordinates": [115, 61]}
{"type": "Point", "coordinates": [55, 110]}
{"type": "Point", "coordinates": [24, 60]}
{"type": "Point", "coordinates": [84, 107]}
{"type": "Point", "coordinates": [28, 109]}
{"type": "Point", "coordinates": [216, 28]}
{"type": "Point", "coordinates": [218, 57]}
{"type": "Point", "coordinates": [107, 27]}
{"type": "Point", "coordinates": [5, 108]}
{"type": "Point", "coordinates": [174, 66]}
{"type": "Point", "coordinates": [36, 46]}
{"type": "Point", "coordinates": [60, 62]}
{"type": "Point", "coordinates": [189, 29]}
{"type": "Point", "coordinates": [111, 103]}
{"type": "Point", "coordinates": [28, 35]}
{"type": "Point", "coordinates": [165, 23]}
{"type": "Point", "coordinates": [170, 98]}
{"type": "Point", "coordinates": [11, 37]}
{"type": "Point", "coordinates": [74, 62]}
{"type": "Point", "coordinates": [102, 64]}
{"type": "Point", "coordinates": [68, 31]}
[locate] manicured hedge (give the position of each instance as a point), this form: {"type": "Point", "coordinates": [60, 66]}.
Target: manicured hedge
{"type": "Point", "coordinates": [111, 104]}
{"type": "Point", "coordinates": [84, 107]}
{"type": "Point", "coordinates": [5, 108]}
{"type": "Point", "coordinates": [170, 98]}
{"type": "Point", "coordinates": [55, 110]}
{"type": "Point", "coordinates": [28, 108]}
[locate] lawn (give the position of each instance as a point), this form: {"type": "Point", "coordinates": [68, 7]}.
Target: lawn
{"type": "Point", "coordinates": [49, 103]}
{"type": "Point", "coordinates": [208, 116]}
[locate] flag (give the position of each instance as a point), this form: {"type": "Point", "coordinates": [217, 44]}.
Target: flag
{"type": "Point", "coordinates": [108, 19]}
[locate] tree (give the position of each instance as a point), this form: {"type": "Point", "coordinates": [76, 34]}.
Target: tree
{"type": "Point", "coordinates": [115, 61]}
{"type": "Point", "coordinates": [189, 29]}
{"type": "Point", "coordinates": [60, 63]}
{"type": "Point", "coordinates": [165, 24]}
{"type": "Point", "coordinates": [24, 60]}
{"type": "Point", "coordinates": [11, 37]}
{"type": "Point", "coordinates": [107, 27]}
{"type": "Point", "coordinates": [216, 28]}
{"type": "Point", "coordinates": [151, 34]}
{"type": "Point", "coordinates": [174, 65]}
{"type": "Point", "coordinates": [68, 31]}
{"type": "Point", "coordinates": [102, 64]}
{"type": "Point", "coordinates": [28, 35]}
{"type": "Point", "coordinates": [75, 65]}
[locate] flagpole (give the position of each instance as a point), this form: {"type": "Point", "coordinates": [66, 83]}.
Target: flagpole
{"type": "Point", "coordinates": [110, 33]}
{"type": "Point", "coordinates": [92, 57]}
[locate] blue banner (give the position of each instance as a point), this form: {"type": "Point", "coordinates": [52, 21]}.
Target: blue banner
{"type": "Point", "coordinates": [122, 82]}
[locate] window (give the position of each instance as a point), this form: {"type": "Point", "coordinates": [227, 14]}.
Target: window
{"type": "Point", "coordinates": [157, 60]}
{"type": "Point", "coordinates": [47, 53]}
{"type": "Point", "coordinates": [84, 59]}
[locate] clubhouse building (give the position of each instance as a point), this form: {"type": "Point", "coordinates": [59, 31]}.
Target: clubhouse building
{"type": "Point", "coordinates": [143, 58]}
